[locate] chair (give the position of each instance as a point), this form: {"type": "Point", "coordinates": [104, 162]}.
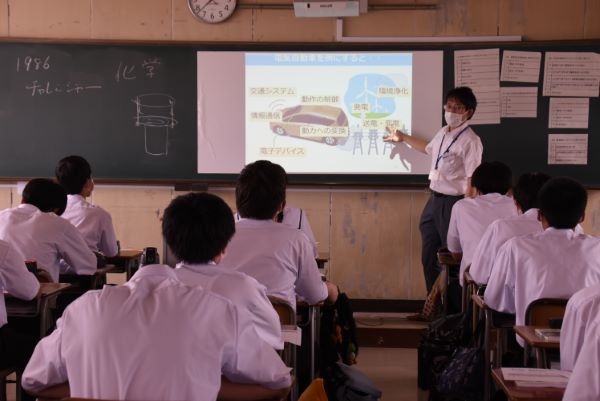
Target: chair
{"type": "Point", "coordinates": [287, 317]}
{"type": "Point", "coordinates": [3, 375]}
{"type": "Point", "coordinates": [539, 313]}
{"type": "Point", "coordinates": [449, 265]}
{"type": "Point", "coordinates": [314, 392]}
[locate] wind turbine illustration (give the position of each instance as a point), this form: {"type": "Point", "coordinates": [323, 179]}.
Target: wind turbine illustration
{"type": "Point", "coordinates": [366, 93]}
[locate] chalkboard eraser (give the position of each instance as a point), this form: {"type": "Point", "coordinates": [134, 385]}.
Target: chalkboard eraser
{"type": "Point", "coordinates": [193, 187]}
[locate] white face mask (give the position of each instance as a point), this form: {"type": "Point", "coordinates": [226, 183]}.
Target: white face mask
{"type": "Point", "coordinates": [453, 119]}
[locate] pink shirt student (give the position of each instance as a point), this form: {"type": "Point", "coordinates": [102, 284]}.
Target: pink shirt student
{"type": "Point", "coordinates": [152, 322]}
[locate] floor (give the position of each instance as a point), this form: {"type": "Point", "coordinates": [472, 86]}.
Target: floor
{"type": "Point", "coordinates": [394, 371]}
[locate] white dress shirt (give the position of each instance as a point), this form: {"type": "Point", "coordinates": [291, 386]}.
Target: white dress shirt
{"type": "Point", "coordinates": [46, 238]}
{"type": "Point", "coordinates": [296, 217]}
{"type": "Point", "coordinates": [93, 222]}
{"type": "Point", "coordinates": [582, 309]}
{"type": "Point", "coordinates": [14, 278]}
{"type": "Point", "coordinates": [551, 264]}
{"type": "Point", "coordinates": [495, 236]}
{"type": "Point", "coordinates": [153, 338]}
{"type": "Point", "coordinates": [457, 165]}
{"type": "Point", "coordinates": [470, 218]}
{"type": "Point", "coordinates": [279, 257]}
{"type": "Point", "coordinates": [584, 383]}
{"type": "Point", "coordinates": [243, 291]}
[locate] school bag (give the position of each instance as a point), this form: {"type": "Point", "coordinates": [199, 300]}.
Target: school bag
{"type": "Point", "coordinates": [437, 345]}
{"type": "Point", "coordinates": [346, 383]}
{"type": "Point", "coordinates": [338, 333]}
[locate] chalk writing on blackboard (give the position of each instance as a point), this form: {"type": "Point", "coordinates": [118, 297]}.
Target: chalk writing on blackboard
{"type": "Point", "coordinates": [44, 88]}
{"type": "Point", "coordinates": [33, 63]}
{"type": "Point", "coordinates": [156, 113]}
{"type": "Point", "coordinates": [128, 72]}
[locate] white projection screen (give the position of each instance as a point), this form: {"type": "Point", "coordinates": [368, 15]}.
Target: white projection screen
{"type": "Point", "coordinates": [316, 112]}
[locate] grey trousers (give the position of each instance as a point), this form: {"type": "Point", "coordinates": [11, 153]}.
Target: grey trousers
{"type": "Point", "coordinates": [433, 225]}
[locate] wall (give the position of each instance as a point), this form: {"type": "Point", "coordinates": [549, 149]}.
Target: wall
{"type": "Point", "coordinates": [371, 237]}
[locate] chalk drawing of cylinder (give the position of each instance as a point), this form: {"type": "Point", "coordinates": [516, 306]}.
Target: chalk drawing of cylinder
{"type": "Point", "coordinates": [155, 112]}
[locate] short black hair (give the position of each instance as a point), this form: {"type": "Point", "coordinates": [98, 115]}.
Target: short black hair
{"type": "Point", "coordinates": [260, 190]}
{"type": "Point", "coordinates": [562, 202]}
{"type": "Point", "coordinates": [463, 94]}
{"type": "Point", "coordinates": [197, 227]}
{"type": "Point", "coordinates": [527, 188]}
{"type": "Point", "coordinates": [72, 172]}
{"type": "Point", "coordinates": [46, 195]}
{"type": "Point", "coordinates": [492, 177]}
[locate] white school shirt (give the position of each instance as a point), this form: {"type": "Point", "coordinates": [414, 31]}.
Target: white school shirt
{"type": "Point", "coordinates": [153, 338]}
{"type": "Point", "coordinates": [457, 165]}
{"type": "Point", "coordinates": [14, 278]}
{"type": "Point", "coordinates": [93, 222]}
{"type": "Point", "coordinates": [243, 291]}
{"type": "Point", "coordinates": [551, 264]}
{"type": "Point", "coordinates": [279, 257]}
{"type": "Point", "coordinates": [582, 309]}
{"type": "Point", "coordinates": [584, 383]}
{"type": "Point", "coordinates": [470, 218]}
{"type": "Point", "coordinates": [296, 217]}
{"type": "Point", "coordinates": [46, 238]}
{"type": "Point", "coordinates": [495, 236]}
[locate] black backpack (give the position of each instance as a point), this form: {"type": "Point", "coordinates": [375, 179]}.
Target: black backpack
{"type": "Point", "coordinates": [437, 345]}
{"type": "Point", "coordinates": [338, 333]}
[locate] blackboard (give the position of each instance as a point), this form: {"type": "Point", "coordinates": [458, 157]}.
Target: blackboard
{"type": "Point", "coordinates": [99, 101]}
{"type": "Point", "coordinates": [96, 100]}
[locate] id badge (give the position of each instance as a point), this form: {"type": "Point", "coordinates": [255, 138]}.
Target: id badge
{"type": "Point", "coordinates": [434, 175]}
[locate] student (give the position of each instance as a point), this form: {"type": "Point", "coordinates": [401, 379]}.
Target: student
{"type": "Point", "coordinates": [456, 151]}
{"type": "Point", "coordinates": [582, 309]}
{"type": "Point", "coordinates": [278, 256]}
{"type": "Point", "coordinates": [36, 231]}
{"type": "Point", "coordinates": [153, 338]}
{"type": "Point", "coordinates": [471, 216]}
{"type": "Point", "coordinates": [554, 263]}
{"type": "Point", "coordinates": [95, 224]}
{"type": "Point", "coordinates": [197, 228]}
{"type": "Point", "coordinates": [15, 347]}
{"type": "Point", "coordinates": [584, 383]}
{"type": "Point", "coordinates": [525, 194]}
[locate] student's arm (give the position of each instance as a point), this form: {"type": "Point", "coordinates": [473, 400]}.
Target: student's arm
{"type": "Point", "coordinates": [399, 136]}
{"type": "Point", "coordinates": [46, 368]}
{"type": "Point", "coordinates": [18, 281]}
{"type": "Point", "coordinates": [500, 291]}
{"type": "Point", "coordinates": [75, 251]}
{"type": "Point", "coordinates": [248, 359]}
{"type": "Point", "coordinates": [309, 284]}
{"type": "Point", "coordinates": [57, 392]}
{"type": "Point", "coordinates": [306, 229]}
{"type": "Point", "coordinates": [108, 239]}
{"type": "Point", "coordinates": [453, 236]}
{"type": "Point", "coordinates": [584, 384]}
{"type": "Point", "coordinates": [249, 392]}
{"type": "Point", "coordinates": [485, 254]}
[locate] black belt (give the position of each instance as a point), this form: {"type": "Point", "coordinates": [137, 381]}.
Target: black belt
{"type": "Point", "coordinates": [441, 195]}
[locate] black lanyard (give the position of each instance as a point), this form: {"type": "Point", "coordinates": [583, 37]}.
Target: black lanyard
{"type": "Point", "coordinates": [441, 155]}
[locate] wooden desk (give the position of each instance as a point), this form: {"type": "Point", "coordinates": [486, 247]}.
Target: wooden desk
{"type": "Point", "coordinates": [313, 325]}
{"type": "Point", "coordinates": [517, 393]}
{"type": "Point", "coordinates": [81, 283]}
{"type": "Point", "coordinates": [39, 307]}
{"type": "Point", "coordinates": [127, 261]}
{"type": "Point", "coordinates": [539, 344]}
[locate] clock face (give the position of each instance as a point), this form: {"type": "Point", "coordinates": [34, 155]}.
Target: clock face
{"type": "Point", "coordinates": [212, 11]}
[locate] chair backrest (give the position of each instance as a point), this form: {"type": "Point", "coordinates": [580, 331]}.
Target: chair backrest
{"type": "Point", "coordinates": [287, 314]}
{"type": "Point", "coordinates": [541, 311]}
{"type": "Point", "coordinates": [444, 257]}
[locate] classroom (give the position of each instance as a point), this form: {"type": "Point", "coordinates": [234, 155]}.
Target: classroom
{"type": "Point", "coordinates": [367, 231]}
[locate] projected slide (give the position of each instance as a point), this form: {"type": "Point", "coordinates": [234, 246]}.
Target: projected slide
{"type": "Point", "coordinates": [327, 112]}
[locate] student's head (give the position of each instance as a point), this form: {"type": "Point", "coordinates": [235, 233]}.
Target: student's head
{"type": "Point", "coordinates": [462, 101]}
{"type": "Point", "coordinates": [492, 177]}
{"type": "Point", "coordinates": [197, 227]}
{"type": "Point", "coordinates": [260, 190]}
{"type": "Point", "coordinates": [527, 188]}
{"type": "Point", "coordinates": [562, 202]}
{"type": "Point", "coordinates": [75, 175]}
{"type": "Point", "coordinates": [46, 195]}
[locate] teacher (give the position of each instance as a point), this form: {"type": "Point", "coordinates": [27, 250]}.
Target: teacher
{"type": "Point", "coordinates": [455, 153]}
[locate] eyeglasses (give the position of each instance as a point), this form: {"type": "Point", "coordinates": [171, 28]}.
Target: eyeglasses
{"type": "Point", "coordinates": [455, 108]}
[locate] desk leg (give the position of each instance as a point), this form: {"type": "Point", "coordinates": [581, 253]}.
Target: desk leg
{"type": "Point", "coordinates": [312, 312]}
{"type": "Point", "coordinates": [487, 350]}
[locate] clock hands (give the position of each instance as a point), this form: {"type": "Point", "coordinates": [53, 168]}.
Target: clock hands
{"type": "Point", "coordinates": [207, 3]}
